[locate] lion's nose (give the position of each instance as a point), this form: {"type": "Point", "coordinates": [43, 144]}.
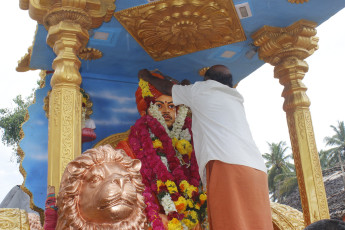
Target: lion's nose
{"type": "Point", "coordinates": [120, 181]}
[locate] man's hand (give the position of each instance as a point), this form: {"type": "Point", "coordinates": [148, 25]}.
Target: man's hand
{"type": "Point", "coordinates": [185, 82]}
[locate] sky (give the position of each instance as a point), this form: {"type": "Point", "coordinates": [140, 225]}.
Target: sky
{"type": "Point", "coordinates": [325, 81]}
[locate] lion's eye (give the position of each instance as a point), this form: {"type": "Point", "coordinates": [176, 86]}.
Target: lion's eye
{"type": "Point", "coordinates": [95, 179]}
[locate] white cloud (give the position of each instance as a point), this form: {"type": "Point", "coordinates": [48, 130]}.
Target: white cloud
{"type": "Point", "coordinates": [111, 96]}
{"type": "Point", "coordinates": [112, 121]}
{"type": "Point", "coordinates": [125, 110]}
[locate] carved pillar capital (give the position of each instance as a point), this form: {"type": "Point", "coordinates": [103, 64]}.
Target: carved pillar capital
{"type": "Point", "coordinates": [88, 13]}
{"type": "Point", "coordinates": [276, 43]}
{"type": "Point", "coordinates": [66, 38]}
{"type": "Point", "coordinates": [286, 48]}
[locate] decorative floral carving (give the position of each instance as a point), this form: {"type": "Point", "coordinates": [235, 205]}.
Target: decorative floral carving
{"type": "Point", "coordinates": [68, 100]}
{"type": "Point", "coordinates": [298, 166]}
{"type": "Point", "coordinates": [13, 218]}
{"type": "Point", "coordinates": [90, 54]}
{"type": "Point", "coordinates": [285, 217]}
{"type": "Point", "coordinates": [170, 28]}
{"type": "Point", "coordinates": [86, 104]}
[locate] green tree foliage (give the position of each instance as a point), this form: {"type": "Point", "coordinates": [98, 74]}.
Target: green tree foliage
{"type": "Point", "coordinates": [323, 155]}
{"type": "Point", "coordinates": [286, 183]}
{"type": "Point", "coordinates": [337, 141]}
{"type": "Point", "coordinates": [12, 119]}
{"type": "Point", "coordinates": [279, 170]}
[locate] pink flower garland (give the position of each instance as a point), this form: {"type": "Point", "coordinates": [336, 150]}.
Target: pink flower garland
{"type": "Point", "coordinates": [152, 166]}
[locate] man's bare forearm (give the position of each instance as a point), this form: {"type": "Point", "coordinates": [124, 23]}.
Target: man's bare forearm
{"type": "Point", "coordinates": [162, 85]}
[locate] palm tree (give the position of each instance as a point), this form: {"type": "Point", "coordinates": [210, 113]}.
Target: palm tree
{"type": "Point", "coordinates": [277, 164]}
{"type": "Point", "coordinates": [338, 143]}
{"type": "Point", "coordinates": [286, 183]}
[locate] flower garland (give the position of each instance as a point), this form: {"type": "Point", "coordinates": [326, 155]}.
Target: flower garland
{"type": "Point", "coordinates": [184, 205]}
{"type": "Point", "coordinates": [169, 159]}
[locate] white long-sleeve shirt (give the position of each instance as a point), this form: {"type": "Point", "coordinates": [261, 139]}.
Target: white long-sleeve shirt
{"type": "Point", "coordinates": [219, 124]}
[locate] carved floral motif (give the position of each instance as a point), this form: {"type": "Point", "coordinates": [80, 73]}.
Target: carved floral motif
{"type": "Point", "coordinates": [13, 218]}
{"type": "Point", "coordinates": [285, 217]}
{"type": "Point", "coordinates": [170, 28]}
{"type": "Point", "coordinates": [90, 54]}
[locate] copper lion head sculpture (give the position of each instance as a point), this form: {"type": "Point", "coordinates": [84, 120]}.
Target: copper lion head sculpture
{"type": "Point", "coordinates": [101, 189]}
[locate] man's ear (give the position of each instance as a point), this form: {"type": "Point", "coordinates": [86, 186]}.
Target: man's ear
{"type": "Point", "coordinates": [142, 113]}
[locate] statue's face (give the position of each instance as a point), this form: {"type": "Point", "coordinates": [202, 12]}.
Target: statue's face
{"type": "Point", "coordinates": [107, 194]}
{"type": "Point", "coordinates": [167, 108]}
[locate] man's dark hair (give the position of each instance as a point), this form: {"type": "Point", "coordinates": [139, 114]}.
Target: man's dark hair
{"type": "Point", "coordinates": [220, 76]}
{"type": "Point", "coordinates": [327, 224]}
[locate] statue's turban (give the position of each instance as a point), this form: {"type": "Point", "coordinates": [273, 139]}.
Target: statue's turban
{"type": "Point", "coordinates": [142, 103]}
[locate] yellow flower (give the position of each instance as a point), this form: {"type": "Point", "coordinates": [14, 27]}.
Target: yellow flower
{"type": "Point", "coordinates": [159, 184]}
{"type": "Point", "coordinates": [184, 147]}
{"type": "Point", "coordinates": [190, 203]}
{"type": "Point", "coordinates": [189, 223]}
{"type": "Point", "coordinates": [171, 186]}
{"type": "Point", "coordinates": [174, 224]}
{"type": "Point", "coordinates": [157, 144]}
{"type": "Point", "coordinates": [190, 219]}
{"type": "Point", "coordinates": [145, 90]}
{"type": "Point", "coordinates": [190, 190]}
{"type": "Point", "coordinates": [180, 204]}
{"type": "Point", "coordinates": [203, 197]}
{"type": "Point", "coordinates": [194, 215]}
{"type": "Point", "coordinates": [174, 141]}
{"type": "Point", "coordinates": [184, 185]}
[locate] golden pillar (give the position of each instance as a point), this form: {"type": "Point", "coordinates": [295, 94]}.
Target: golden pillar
{"type": "Point", "coordinates": [286, 48]}
{"type": "Point", "coordinates": [67, 22]}
{"type": "Point", "coordinates": [64, 129]}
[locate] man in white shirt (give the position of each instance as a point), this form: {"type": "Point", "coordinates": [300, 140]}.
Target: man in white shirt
{"type": "Point", "coordinates": [229, 161]}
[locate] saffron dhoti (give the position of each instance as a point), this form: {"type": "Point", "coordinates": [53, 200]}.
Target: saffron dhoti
{"type": "Point", "coordinates": [231, 202]}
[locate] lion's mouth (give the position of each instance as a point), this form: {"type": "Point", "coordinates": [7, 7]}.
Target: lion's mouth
{"type": "Point", "coordinates": [115, 202]}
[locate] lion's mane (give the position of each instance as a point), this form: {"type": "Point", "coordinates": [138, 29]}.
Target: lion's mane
{"type": "Point", "coordinates": [68, 199]}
